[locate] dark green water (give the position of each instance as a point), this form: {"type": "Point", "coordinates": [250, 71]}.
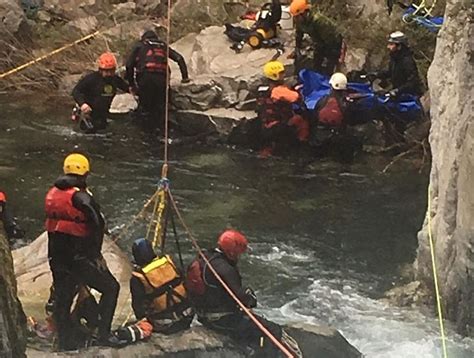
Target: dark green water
{"type": "Point", "coordinates": [327, 240]}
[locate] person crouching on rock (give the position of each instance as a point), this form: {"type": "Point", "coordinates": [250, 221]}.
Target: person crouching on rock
{"type": "Point", "coordinates": [94, 94]}
{"type": "Point", "coordinates": [147, 69]}
{"type": "Point", "coordinates": [75, 227]}
{"type": "Point", "coordinates": [157, 290]}
{"type": "Point", "coordinates": [281, 127]}
{"type": "Point", "coordinates": [216, 309]}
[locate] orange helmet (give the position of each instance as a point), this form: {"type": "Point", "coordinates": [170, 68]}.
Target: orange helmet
{"type": "Point", "coordinates": [297, 7]}
{"type": "Point", "coordinates": [232, 243]}
{"type": "Point", "coordinates": [107, 61]}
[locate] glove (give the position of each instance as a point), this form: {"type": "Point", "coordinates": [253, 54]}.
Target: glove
{"type": "Point", "coordinates": [252, 298]}
{"type": "Point", "coordinates": [185, 80]}
{"type": "Point", "coordinates": [394, 93]}
{"type": "Point", "coordinates": [85, 108]}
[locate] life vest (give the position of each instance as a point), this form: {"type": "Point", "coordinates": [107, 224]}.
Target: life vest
{"type": "Point", "coordinates": [331, 113]}
{"type": "Point", "coordinates": [271, 112]}
{"type": "Point", "coordinates": [152, 58]}
{"type": "Point", "coordinates": [195, 283]}
{"type": "Point", "coordinates": [3, 197]}
{"type": "Point", "coordinates": [62, 216]}
{"type": "Point", "coordinates": [164, 289]}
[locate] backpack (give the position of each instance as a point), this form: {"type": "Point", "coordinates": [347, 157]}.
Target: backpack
{"type": "Point", "coordinates": [331, 113]}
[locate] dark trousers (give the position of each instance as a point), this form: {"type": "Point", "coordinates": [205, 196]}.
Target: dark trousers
{"type": "Point", "coordinates": [241, 328]}
{"type": "Point", "coordinates": [66, 278]}
{"type": "Point", "coordinates": [152, 99]}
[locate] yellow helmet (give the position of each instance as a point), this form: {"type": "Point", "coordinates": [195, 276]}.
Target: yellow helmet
{"type": "Point", "coordinates": [273, 69]}
{"type": "Point", "coordinates": [297, 7]}
{"type": "Point", "coordinates": [76, 164]}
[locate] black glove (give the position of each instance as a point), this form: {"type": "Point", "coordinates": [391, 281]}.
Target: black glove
{"type": "Point", "coordinates": [252, 298]}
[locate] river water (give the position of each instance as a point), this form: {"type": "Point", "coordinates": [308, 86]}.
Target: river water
{"type": "Point", "coordinates": [326, 240]}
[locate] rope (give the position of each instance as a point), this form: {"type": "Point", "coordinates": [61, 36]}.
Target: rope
{"type": "Point", "coordinates": [247, 311]}
{"type": "Point", "coordinates": [168, 38]}
{"type": "Point", "coordinates": [54, 52]}
{"type": "Point", "coordinates": [435, 277]}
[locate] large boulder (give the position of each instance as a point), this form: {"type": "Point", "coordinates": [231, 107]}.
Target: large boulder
{"type": "Point", "coordinates": [451, 78]}
{"type": "Point", "coordinates": [12, 318]}
{"type": "Point", "coordinates": [34, 276]}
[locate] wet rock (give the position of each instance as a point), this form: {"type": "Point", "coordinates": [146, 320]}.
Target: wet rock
{"type": "Point", "coordinates": [215, 120]}
{"type": "Point", "coordinates": [411, 294]}
{"type": "Point", "coordinates": [356, 59]}
{"type": "Point", "coordinates": [450, 80]}
{"type": "Point", "coordinates": [68, 82]}
{"type": "Point", "coordinates": [34, 276]}
{"type": "Point", "coordinates": [12, 17]}
{"type": "Point", "coordinates": [12, 318]}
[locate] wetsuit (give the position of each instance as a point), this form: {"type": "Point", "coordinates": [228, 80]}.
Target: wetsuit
{"type": "Point", "coordinates": [98, 92]}
{"type": "Point", "coordinates": [327, 41]}
{"type": "Point", "coordinates": [12, 229]}
{"type": "Point", "coordinates": [218, 311]}
{"type": "Point", "coordinates": [147, 67]}
{"type": "Point", "coordinates": [403, 73]}
{"type": "Point", "coordinates": [76, 259]}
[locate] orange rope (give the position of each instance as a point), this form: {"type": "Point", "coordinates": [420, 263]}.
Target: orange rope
{"type": "Point", "coordinates": [168, 38]}
{"type": "Point", "coordinates": [247, 311]}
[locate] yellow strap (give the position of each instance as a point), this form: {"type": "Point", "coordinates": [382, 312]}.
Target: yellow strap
{"type": "Point", "coordinates": [54, 52]}
{"type": "Point", "coordinates": [435, 277]}
{"type": "Point", "coordinates": [156, 263]}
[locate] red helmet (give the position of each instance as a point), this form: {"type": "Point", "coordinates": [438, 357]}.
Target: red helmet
{"type": "Point", "coordinates": [232, 243]}
{"type": "Point", "coordinates": [107, 61]}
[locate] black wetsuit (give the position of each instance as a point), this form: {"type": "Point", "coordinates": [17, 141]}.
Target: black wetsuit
{"type": "Point", "coordinates": [233, 322]}
{"type": "Point", "coordinates": [149, 71]}
{"type": "Point", "coordinates": [98, 92]}
{"type": "Point", "coordinates": [76, 261]}
{"type": "Point", "coordinates": [403, 72]}
{"type": "Point", "coordinates": [12, 229]}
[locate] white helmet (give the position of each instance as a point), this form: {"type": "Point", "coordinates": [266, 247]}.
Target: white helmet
{"type": "Point", "coordinates": [398, 37]}
{"type": "Point", "coordinates": [338, 81]}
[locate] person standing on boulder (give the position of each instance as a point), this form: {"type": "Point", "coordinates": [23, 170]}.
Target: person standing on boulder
{"type": "Point", "coordinates": [148, 72]}
{"type": "Point", "coordinates": [217, 310]}
{"type": "Point", "coordinates": [76, 227]}
{"type": "Point", "coordinates": [94, 94]}
{"type": "Point", "coordinates": [402, 71]}
{"type": "Point", "coordinates": [327, 41]}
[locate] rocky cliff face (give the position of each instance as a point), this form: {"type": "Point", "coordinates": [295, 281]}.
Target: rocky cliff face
{"type": "Point", "coordinates": [451, 79]}
{"type": "Point", "coordinates": [12, 318]}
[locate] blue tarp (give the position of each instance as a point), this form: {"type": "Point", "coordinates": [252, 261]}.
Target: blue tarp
{"type": "Point", "coordinates": [316, 86]}
{"type": "Point", "coordinates": [432, 23]}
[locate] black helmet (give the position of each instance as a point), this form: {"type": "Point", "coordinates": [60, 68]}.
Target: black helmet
{"type": "Point", "coordinates": [398, 37]}
{"type": "Point", "coordinates": [142, 252]}
{"type": "Point", "coordinates": [149, 35]}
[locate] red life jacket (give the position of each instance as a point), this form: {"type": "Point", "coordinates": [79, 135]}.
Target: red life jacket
{"type": "Point", "coordinates": [272, 112]}
{"type": "Point", "coordinates": [152, 58]}
{"type": "Point", "coordinates": [62, 216]}
{"type": "Point", "coordinates": [331, 113]}
{"type": "Point", "coordinates": [3, 197]}
{"type": "Point", "coordinates": [194, 282]}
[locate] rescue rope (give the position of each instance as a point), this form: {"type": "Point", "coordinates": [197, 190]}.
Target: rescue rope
{"type": "Point", "coordinates": [168, 72]}
{"type": "Point", "coordinates": [49, 54]}
{"type": "Point", "coordinates": [435, 277]}
{"type": "Point", "coordinates": [247, 311]}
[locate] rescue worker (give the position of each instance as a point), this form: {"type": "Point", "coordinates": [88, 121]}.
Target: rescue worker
{"type": "Point", "coordinates": [12, 229]}
{"type": "Point", "coordinates": [329, 131]}
{"type": "Point", "coordinates": [281, 127]}
{"type": "Point", "coordinates": [217, 310]}
{"type": "Point", "coordinates": [263, 33]}
{"type": "Point", "coordinates": [146, 71]}
{"type": "Point", "coordinates": [402, 70]}
{"type": "Point", "coordinates": [94, 93]}
{"type": "Point", "coordinates": [157, 290]}
{"type": "Point", "coordinates": [76, 227]}
{"type": "Point", "coordinates": [327, 42]}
